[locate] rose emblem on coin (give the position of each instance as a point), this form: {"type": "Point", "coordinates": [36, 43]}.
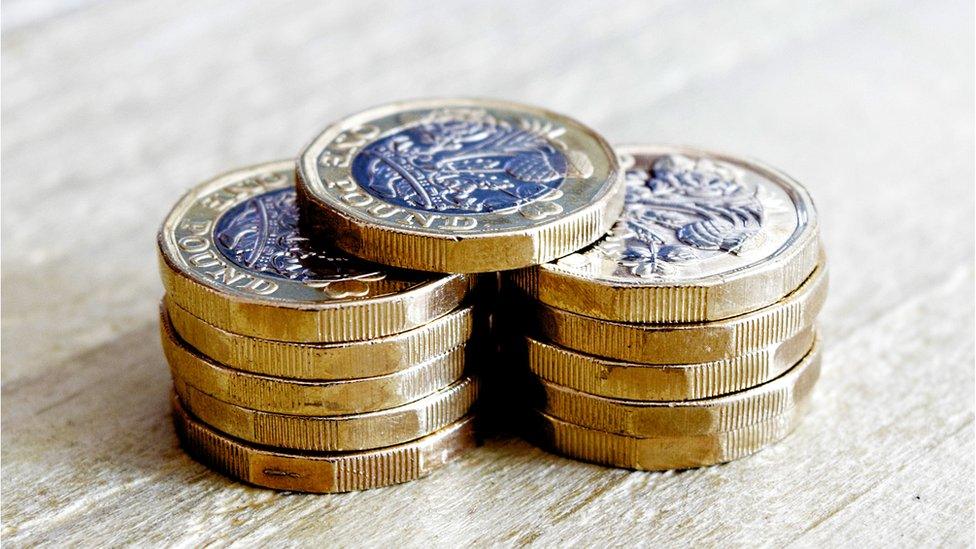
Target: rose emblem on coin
{"type": "Point", "coordinates": [681, 210]}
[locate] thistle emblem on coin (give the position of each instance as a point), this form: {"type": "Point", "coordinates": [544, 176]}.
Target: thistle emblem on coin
{"type": "Point", "coordinates": [465, 161]}
{"type": "Point", "coordinates": [261, 234]}
{"type": "Point", "coordinates": [682, 210]}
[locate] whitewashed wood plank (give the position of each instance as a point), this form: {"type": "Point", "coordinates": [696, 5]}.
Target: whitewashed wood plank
{"type": "Point", "coordinates": [110, 111]}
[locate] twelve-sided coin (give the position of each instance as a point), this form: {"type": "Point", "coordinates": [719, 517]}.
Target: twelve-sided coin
{"type": "Point", "coordinates": [460, 185]}
{"type": "Point", "coordinates": [703, 236]}
{"type": "Point", "coordinates": [231, 254]}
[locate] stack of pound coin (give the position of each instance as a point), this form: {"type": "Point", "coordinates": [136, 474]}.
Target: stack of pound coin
{"type": "Point", "coordinates": [298, 367]}
{"type": "Point", "coordinates": [685, 336]}
{"type": "Point", "coordinates": [463, 186]}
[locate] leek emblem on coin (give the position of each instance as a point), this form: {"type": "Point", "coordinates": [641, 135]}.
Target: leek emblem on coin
{"type": "Point", "coordinates": [461, 185]}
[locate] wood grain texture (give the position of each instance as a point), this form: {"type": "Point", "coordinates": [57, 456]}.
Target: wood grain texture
{"type": "Point", "coordinates": [112, 109]}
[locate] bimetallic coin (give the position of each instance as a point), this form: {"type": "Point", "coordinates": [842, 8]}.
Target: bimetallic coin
{"type": "Point", "coordinates": [336, 433]}
{"type": "Point", "coordinates": [703, 236]}
{"type": "Point", "coordinates": [689, 417]}
{"type": "Point", "coordinates": [357, 359]}
{"type": "Point", "coordinates": [460, 185]}
{"type": "Point", "coordinates": [666, 452]}
{"type": "Point", "coordinates": [309, 398]}
{"type": "Point", "coordinates": [664, 382]}
{"type": "Point", "coordinates": [322, 472]}
{"type": "Point", "coordinates": [231, 254]}
{"type": "Point", "coordinates": [687, 343]}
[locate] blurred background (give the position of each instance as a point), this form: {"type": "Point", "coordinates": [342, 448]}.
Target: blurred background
{"type": "Point", "coordinates": [112, 109]}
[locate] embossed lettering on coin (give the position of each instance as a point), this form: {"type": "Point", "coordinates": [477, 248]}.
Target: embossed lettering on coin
{"type": "Point", "coordinates": [242, 233]}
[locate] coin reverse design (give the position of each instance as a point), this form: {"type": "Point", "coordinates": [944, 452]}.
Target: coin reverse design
{"type": "Point", "coordinates": [702, 236]}
{"type": "Point", "coordinates": [232, 254]}
{"type": "Point", "coordinates": [460, 185]}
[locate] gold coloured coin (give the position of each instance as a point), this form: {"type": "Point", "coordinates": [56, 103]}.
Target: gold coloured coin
{"type": "Point", "coordinates": [687, 343]}
{"type": "Point", "coordinates": [460, 185]}
{"type": "Point", "coordinates": [231, 254]}
{"type": "Point", "coordinates": [689, 417]}
{"type": "Point", "coordinates": [668, 452]}
{"type": "Point", "coordinates": [322, 472]}
{"type": "Point", "coordinates": [703, 236]}
{"type": "Point", "coordinates": [324, 361]}
{"type": "Point", "coordinates": [633, 381]}
{"type": "Point", "coordinates": [336, 433]}
{"type": "Point", "coordinates": [309, 398]}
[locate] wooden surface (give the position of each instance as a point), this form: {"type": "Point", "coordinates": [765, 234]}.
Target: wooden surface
{"type": "Point", "coordinates": [112, 109]}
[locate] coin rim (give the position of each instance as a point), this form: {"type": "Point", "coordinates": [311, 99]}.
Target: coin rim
{"type": "Point", "coordinates": [443, 370]}
{"type": "Point", "coordinates": [717, 340]}
{"type": "Point", "coordinates": [353, 432]}
{"type": "Point", "coordinates": [714, 297]}
{"type": "Point", "coordinates": [325, 361]}
{"type": "Point", "coordinates": [582, 372]}
{"type": "Point", "coordinates": [651, 419]}
{"type": "Point", "coordinates": [625, 452]}
{"type": "Point", "coordinates": [321, 472]}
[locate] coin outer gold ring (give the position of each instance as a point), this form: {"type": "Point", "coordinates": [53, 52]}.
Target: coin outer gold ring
{"type": "Point", "coordinates": [687, 343]}
{"type": "Point", "coordinates": [321, 472]}
{"type": "Point", "coordinates": [670, 382]}
{"type": "Point", "coordinates": [358, 232]}
{"type": "Point", "coordinates": [690, 417]}
{"type": "Point", "coordinates": [712, 298]}
{"type": "Point", "coordinates": [338, 433]}
{"type": "Point", "coordinates": [327, 322]}
{"type": "Point", "coordinates": [663, 453]}
{"type": "Point", "coordinates": [309, 398]}
{"type": "Point", "coordinates": [357, 359]}
{"type": "Point", "coordinates": [224, 304]}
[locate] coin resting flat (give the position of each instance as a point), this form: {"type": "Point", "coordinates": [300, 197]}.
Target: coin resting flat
{"type": "Point", "coordinates": [666, 452]}
{"type": "Point", "coordinates": [322, 472]}
{"type": "Point", "coordinates": [690, 417]}
{"type": "Point", "coordinates": [311, 398]}
{"type": "Point", "coordinates": [231, 254]}
{"type": "Point", "coordinates": [460, 185]}
{"type": "Point", "coordinates": [664, 382]}
{"type": "Point", "coordinates": [687, 343]}
{"type": "Point", "coordinates": [335, 433]}
{"type": "Point", "coordinates": [333, 361]}
{"type": "Point", "coordinates": [703, 236]}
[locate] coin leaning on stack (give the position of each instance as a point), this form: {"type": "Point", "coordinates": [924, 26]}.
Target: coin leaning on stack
{"type": "Point", "coordinates": [665, 318]}
{"type": "Point", "coordinates": [685, 337]}
{"type": "Point", "coordinates": [299, 367]}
